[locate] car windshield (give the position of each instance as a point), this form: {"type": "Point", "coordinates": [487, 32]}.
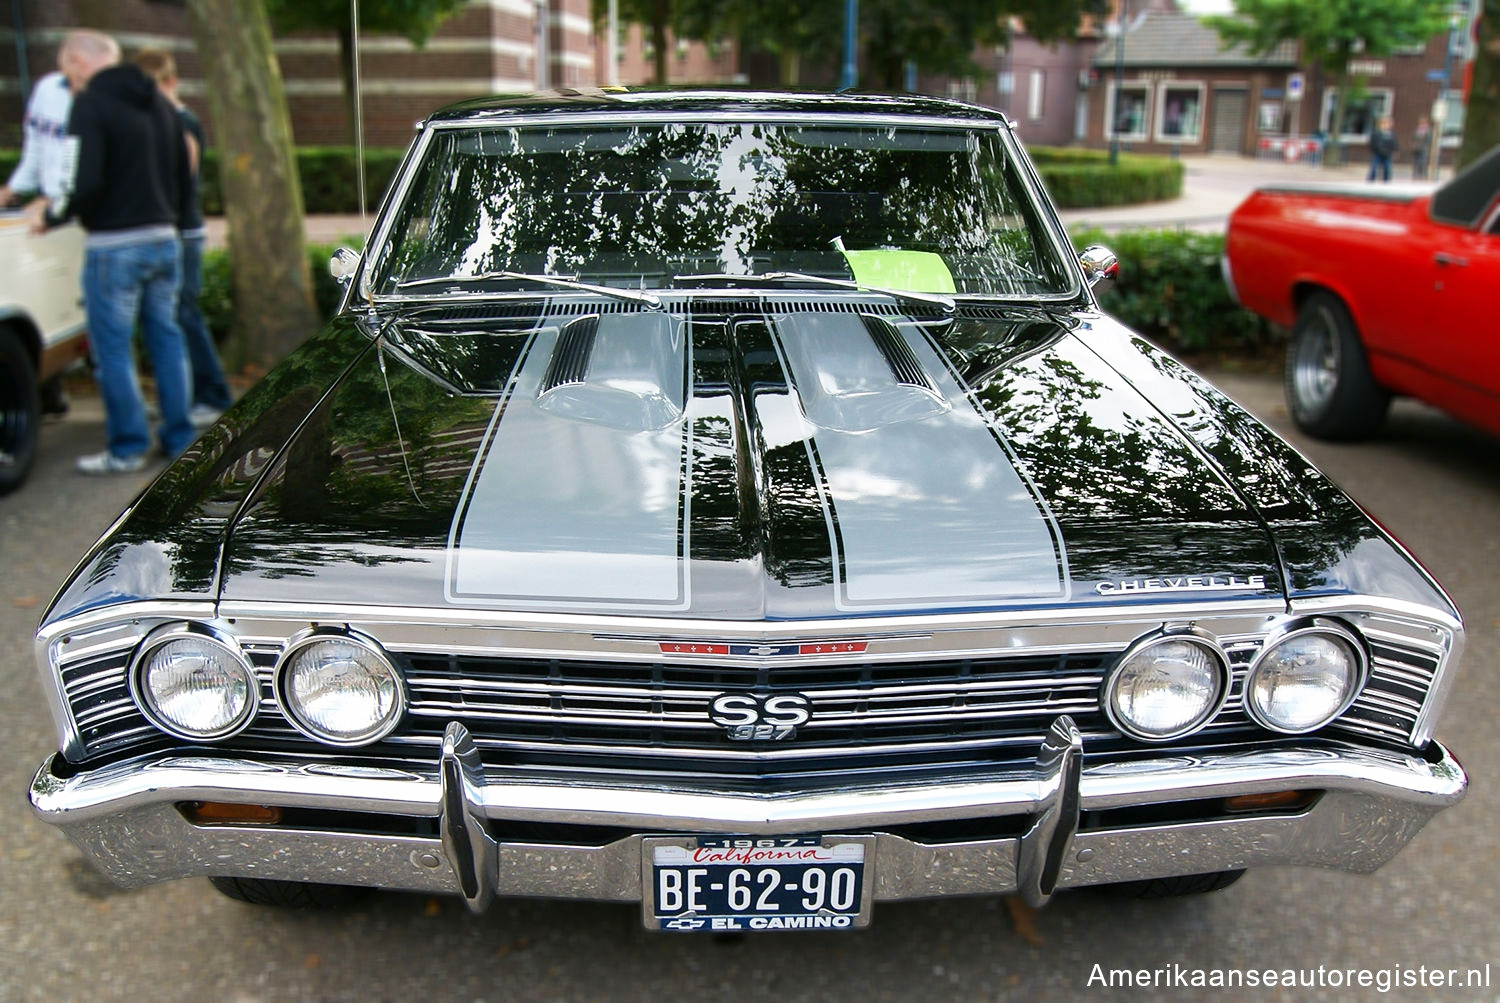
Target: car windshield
{"type": "Point", "coordinates": [696, 205]}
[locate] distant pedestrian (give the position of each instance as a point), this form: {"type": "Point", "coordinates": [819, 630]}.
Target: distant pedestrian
{"type": "Point", "coordinates": [210, 391]}
{"type": "Point", "coordinates": [1421, 142]}
{"type": "Point", "coordinates": [128, 186]}
{"type": "Point", "coordinates": [1383, 147]}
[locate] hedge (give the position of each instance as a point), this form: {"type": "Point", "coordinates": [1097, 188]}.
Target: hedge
{"type": "Point", "coordinates": [1083, 179]}
{"type": "Point", "coordinates": [329, 182]}
{"type": "Point", "coordinates": [1172, 291]}
{"type": "Point", "coordinates": [217, 298]}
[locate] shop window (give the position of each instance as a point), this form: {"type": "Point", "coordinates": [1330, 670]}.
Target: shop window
{"type": "Point", "coordinates": [1179, 113]}
{"type": "Point", "coordinates": [1361, 115]}
{"type": "Point", "coordinates": [1127, 110]}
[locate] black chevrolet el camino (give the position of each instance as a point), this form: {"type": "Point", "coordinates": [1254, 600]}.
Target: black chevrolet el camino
{"type": "Point", "coordinates": [737, 503]}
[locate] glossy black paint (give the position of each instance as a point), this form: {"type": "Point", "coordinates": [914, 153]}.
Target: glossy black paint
{"type": "Point", "coordinates": [336, 479]}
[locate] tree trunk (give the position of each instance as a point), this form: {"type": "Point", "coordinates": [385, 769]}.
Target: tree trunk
{"type": "Point", "coordinates": [1482, 121]}
{"type": "Point", "coordinates": [1334, 154]}
{"type": "Point", "coordinates": [659, 43]}
{"type": "Point", "coordinates": [262, 196]}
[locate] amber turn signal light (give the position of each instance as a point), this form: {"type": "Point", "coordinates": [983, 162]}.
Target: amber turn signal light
{"type": "Point", "coordinates": [1273, 799]}
{"type": "Point", "coordinates": [223, 813]}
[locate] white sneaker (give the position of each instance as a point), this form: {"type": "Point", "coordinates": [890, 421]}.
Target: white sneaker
{"type": "Point", "coordinates": [108, 463]}
{"type": "Point", "coordinates": [202, 415]}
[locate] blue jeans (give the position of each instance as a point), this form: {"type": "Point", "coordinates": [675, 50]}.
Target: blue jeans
{"type": "Point", "coordinates": [209, 387]}
{"type": "Point", "coordinates": [1380, 164]}
{"type": "Point", "coordinates": [121, 284]}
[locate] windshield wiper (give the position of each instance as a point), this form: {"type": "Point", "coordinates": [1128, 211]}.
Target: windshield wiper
{"type": "Point", "coordinates": [946, 303]}
{"type": "Point", "coordinates": [629, 295]}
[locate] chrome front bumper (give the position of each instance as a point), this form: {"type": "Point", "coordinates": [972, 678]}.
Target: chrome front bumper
{"type": "Point", "coordinates": [125, 819]}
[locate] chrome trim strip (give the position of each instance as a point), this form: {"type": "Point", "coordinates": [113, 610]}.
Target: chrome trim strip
{"type": "Point", "coordinates": [1425, 627]}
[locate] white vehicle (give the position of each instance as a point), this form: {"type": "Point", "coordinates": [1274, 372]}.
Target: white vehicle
{"type": "Point", "coordinates": [41, 331]}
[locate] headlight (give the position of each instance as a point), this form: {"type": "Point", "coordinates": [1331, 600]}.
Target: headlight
{"type": "Point", "coordinates": [1166, 687]}
{"type": "Point", "coordinates": [192, 684]}
{"type": "Point", "coordinates": [340, 689]}
{"type": "Point", "coordinates": [1305, 678]}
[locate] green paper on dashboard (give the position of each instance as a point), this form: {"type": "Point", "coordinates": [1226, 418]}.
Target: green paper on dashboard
{"type": "Point", "coordinates": [910, 271]}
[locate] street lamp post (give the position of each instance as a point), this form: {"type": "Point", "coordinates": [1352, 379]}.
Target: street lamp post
{"type": "Point", "coordinates": [850, 77]}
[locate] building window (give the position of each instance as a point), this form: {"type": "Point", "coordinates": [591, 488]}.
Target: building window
{"type": "Point", "coordinates": [1179, 113]}
{"type": "Point", "coordinates": [1362, 114]}
{"type": "Point", "coordinates": [1035, 94]}
{"type": "Point", "coordinates": [1125, 115]}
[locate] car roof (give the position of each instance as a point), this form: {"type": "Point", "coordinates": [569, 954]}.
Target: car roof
{"type": "Point", "coordinates": [628, 101]}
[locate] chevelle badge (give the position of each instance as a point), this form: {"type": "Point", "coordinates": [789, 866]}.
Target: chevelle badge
{"type": "Point", "coordinates": [1192, 583]}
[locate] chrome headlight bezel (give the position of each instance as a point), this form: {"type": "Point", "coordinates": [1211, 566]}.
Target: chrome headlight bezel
{"type": "Point", "coordinates": [145, 701]}
{"type": "Point", "coordinates": [1359, 675]}
{"type": "Point", "coordinates": [1192, 635]}
{"type": "Point", "coordinates": [308, 638]}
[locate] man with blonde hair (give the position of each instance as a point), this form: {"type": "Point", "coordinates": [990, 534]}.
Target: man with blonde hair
{"type": "Point", "coordinates": [128, 185]}
{"type": "Point", "coordinates": [210, 391]}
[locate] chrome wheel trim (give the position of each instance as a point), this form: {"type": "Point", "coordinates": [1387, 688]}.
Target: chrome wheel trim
{"type": "Point", "coordinates": [1316, 362]}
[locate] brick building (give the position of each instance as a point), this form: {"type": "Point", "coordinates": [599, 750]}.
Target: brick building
{"type": "Point", "coordinates": [1182, 92]}
{"type": "Point", "coordinates": [487, 47]}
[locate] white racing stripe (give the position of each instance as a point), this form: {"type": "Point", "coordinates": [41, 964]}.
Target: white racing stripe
{"type": "Point", "coordinates": [925, 506]}
{"type": "Point", "coordinates": [568, 505]}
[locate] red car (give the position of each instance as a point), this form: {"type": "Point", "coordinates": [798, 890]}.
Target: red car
{"type": "Point", "coordinates": [1388, 289]}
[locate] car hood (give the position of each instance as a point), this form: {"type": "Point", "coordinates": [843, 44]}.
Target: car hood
{"type": "Point", "coordinates": [761, 460]}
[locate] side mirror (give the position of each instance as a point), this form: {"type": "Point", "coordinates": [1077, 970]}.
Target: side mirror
{"type": "Point", "coordinates": [1100, 266]}
{"type": "Point", "coordinates": [343, 265]}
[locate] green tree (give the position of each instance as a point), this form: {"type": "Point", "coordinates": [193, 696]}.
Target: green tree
{"type": "Point", "coordinates": [262, 194]}
{"type": "Point", "coordinates": [414, 19]}
{"type": "Point", "coordinates": [1482, 121]}
{"type": "Point", "coordinates": [939, 36]}
{"type": "Point", "coordinates": [787, 29]}
{"type": "Point", "coordinates": [1331, 33]}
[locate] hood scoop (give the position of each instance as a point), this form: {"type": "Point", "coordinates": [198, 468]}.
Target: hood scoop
{"type": "Point", "coordinates": [623, 371]}
{"type": "Point", "coordinates": [857, 372]}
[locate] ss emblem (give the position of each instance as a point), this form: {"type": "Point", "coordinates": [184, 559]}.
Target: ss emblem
{"type": "Point", "coordinates": [752, 718]}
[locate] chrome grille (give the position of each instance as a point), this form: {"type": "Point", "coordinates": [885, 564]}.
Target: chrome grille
{"type": "Point", "coordinates": [646, 715]}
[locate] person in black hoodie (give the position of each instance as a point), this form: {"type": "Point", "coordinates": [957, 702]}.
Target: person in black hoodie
{"type": "Point", "coordinates": [129, 185]}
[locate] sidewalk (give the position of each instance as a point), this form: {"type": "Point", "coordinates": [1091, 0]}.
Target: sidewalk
{"type": "Point", "coordinates": [320, 229]}
{"type": "Point", "coordinates": [1211, 187]}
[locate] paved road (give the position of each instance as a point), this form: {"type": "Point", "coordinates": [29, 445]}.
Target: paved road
{"type": "Point", "coordinates": [65, 934]}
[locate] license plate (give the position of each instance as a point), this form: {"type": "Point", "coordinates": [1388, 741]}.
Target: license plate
{"type": "Point", "coordinates": [729, 883]}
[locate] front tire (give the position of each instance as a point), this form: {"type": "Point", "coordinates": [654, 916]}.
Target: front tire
{"type": "Point", "coordinates": [1329, 389]}
{"type": "Point", "coordinates": [19, 410]}
{"type": "Point", "coordinates": [287, 894]}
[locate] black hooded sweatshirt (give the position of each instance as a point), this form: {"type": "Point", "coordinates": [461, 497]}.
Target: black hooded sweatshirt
{"type": "Point", "coordinates": [131, 164]}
